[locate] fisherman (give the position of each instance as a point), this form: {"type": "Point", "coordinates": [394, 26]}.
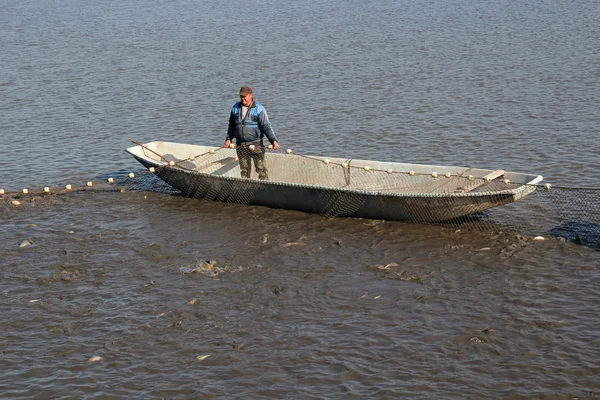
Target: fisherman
{"type": "Point", "coordinates": [249, 124]}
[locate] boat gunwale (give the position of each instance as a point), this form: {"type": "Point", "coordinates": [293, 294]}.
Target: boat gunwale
{"type": "Point", "coordinates": [523, 187]}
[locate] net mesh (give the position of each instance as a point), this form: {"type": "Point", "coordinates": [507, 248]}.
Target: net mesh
{"type": "Point", "coordinates": [452, 197]}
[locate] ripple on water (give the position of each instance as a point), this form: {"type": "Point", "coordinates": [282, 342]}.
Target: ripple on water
{"type": "Point", "coordinates": [305, 311]}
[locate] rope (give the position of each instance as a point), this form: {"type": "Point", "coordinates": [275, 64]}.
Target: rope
{"type": "Point", "coordinates": [150, 150]}
{"type": "Point", "coordinates": [568, 212]}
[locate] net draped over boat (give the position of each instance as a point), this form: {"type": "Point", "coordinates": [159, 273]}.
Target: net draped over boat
{"type": "Point", "coordinates": [341, 187]}
{"type": "Point", "coordinates": [452, 197]}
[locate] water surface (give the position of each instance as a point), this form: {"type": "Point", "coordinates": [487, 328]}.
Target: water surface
{"type": "Point", "coordinates": [297, 305]}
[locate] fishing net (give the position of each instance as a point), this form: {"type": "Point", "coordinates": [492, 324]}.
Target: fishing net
{"type": "Point", "coordinates": [458, 198]}
{"type": "Point", "coordinates": [453, 197]}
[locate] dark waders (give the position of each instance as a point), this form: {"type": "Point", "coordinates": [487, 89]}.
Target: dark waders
{"type": "Point", "coordinates": [245, 156]}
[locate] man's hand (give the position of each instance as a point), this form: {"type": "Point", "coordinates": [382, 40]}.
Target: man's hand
{"type": "Point", "coordinates": [275, 145]}
{"type": "Point", "coordinates": [227, 143]}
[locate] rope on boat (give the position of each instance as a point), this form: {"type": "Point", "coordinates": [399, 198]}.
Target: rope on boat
{"type": "Point", "coordinates": [150, 150]}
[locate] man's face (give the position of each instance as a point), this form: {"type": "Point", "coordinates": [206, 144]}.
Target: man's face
{"type": "Point", "coordinates": [246, 100]}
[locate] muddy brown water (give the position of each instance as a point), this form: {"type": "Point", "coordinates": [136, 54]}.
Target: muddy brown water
{"type": "Point", "coordinates": [296, 305]}
{"type": "Point", "coordinates": [116, 295]}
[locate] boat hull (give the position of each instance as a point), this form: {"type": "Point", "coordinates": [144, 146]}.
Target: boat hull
{"type": "Point", "coordinates": [330, 202]}
{"type": "Point", "coordinates": [340, 198]}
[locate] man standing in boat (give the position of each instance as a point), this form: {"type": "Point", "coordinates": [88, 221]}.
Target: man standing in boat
{"type": "Point", "coordinates": [249, 124]}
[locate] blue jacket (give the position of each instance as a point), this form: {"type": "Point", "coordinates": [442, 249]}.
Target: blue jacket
{"type": "Point", "coordinates": [253, 128]}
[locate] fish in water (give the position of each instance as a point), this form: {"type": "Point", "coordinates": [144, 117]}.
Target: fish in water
{"type": "Point", "coordinates": [26, 243]}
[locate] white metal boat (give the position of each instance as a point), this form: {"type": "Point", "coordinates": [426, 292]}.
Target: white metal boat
{"type": "Point", "coordinates": [335, 186]}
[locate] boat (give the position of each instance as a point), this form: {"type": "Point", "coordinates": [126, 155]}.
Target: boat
{"type": "Point", "coordinates": [335, 186]}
